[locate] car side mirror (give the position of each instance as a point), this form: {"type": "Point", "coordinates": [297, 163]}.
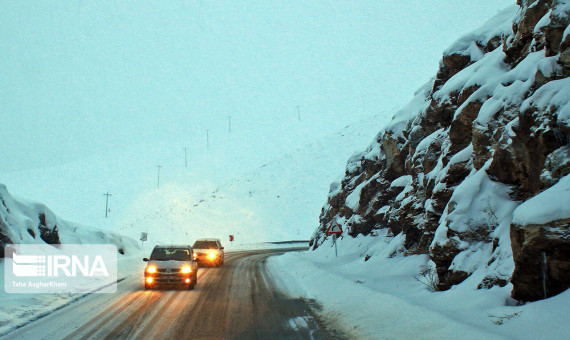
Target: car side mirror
{"type": "Point", "coordinates": [146, 259]}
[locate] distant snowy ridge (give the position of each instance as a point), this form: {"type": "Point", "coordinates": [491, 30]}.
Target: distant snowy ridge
{"type": "Point", "coordinates": [27, 222]}
{"type": "Point", "coordinates": [490, 132]}
{"type": "Point", "coordinates": [278, 200]}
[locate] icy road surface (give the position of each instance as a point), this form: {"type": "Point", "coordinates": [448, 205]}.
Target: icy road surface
{"type": "Point", "coordinates": [237, 301]}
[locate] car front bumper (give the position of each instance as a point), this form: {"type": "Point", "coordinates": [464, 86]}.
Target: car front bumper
{"type": "Point", "coordinates": [168, 278]}
{"type": "Point", "coordinates": [207, 258]}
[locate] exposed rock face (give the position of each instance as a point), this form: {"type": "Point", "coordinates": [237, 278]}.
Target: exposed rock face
{"type": "Point", "coordinates": [542, 254]}
{"type": "Point", "coordinates": [491, 131]}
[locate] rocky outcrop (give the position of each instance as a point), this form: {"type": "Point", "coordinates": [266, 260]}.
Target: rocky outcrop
{"type": "Point", "coordinates": [490, 132]}
{"type": "Point", "coordinates": [23, 222]}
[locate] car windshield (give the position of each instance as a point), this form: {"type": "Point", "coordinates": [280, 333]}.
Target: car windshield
{"type": "Point", "coordinates": [205, 245]}
{"type": "Point", "coordinates": [168, 254]}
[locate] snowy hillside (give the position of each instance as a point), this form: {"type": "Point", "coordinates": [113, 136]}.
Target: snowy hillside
{"type": "Point", "coordinates": [276, 201]}
{"type": "Point", "coordinates": [28, 222]}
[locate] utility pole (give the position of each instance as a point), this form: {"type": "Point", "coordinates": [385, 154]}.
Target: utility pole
{"type": "Point", "coordinates": [230, 123]}
{"type": "Point", "coordinates": [107, 203]}
{"type": "Point", "coordinates": [299, 112]}
{"type": "Point", "coordinates": [158, 181]}
{"type": "Point", "coordinates": [185, 158]}
{"type": "Point", "coordinates": [207, 139]}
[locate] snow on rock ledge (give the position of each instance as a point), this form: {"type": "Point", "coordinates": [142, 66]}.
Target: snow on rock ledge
{"type": "Point", "coordinates": [548, 206]}
{"type": "Point", "coordinates": [540, 236]}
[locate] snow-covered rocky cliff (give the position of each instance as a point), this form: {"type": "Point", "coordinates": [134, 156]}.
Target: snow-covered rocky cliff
{"type": "Point", "coordinates": [475, 170]}
{"type": "Point", "coordinates": [26, 222]}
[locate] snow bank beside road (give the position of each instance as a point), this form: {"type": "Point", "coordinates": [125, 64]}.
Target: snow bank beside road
{"type": "Point", "coordinates": [379, 298]}
{"type": "Point", "coordinates": [27, 222]}
{"type": "Point", "coordinates": [18, 310]}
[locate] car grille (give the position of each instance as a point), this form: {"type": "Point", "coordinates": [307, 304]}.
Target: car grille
{"type": "Point", "coordinates": [168, 271]}
{"type": "Point", "coordinates": [169, 276]}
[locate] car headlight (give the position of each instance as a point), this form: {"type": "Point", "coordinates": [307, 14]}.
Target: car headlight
{"type": "Point", "coordinates": [186, 270]}
{"type": "Point", "coordinates": [151, 269]}
{"type": "Point", "coordinates": [212, 255]}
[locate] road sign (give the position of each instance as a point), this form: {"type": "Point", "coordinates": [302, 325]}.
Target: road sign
{"type": "Point", "coordinates": [231, 238]}
{"type": "Point", "coordinates": [144, 236]}
{"type": "Point", "coordinates": [334, 228]}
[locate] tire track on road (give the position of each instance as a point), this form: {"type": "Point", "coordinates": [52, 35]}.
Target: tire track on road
{"type": "Point", "coordinates": [108, 315]}
{"type": "Point", "coordinates": [129, 321]}
{"type": "Point", "coordinates": [207, 317]}
{"type": "Point", "coordinates": [119, 305]}
{"type": "Point", "coordinates": [168, 309]}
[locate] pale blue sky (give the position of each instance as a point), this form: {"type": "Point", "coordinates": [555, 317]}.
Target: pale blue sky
{"type": "Point", "coordinates": [80, 77]}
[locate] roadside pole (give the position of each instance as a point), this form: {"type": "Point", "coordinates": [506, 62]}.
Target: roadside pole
{"type": "Point", "coordinates": [335, 250]}
{"type": "Point", "coordinates": [334, 229]}
{"type": "Point", "coordinates": [144, 237]}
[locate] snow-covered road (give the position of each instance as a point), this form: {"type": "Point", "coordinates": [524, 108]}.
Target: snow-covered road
{"type": "Point", "coordinates": [237, 301]}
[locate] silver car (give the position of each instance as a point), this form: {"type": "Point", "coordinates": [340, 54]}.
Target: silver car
{"type": "Point", "coordinates": [169, 266]}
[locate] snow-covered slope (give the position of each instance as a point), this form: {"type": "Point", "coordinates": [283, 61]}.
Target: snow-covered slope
{"type": "Point", "coordinates": [28, 222]}
{"type": "Point", "coordinates": [275, 201]}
